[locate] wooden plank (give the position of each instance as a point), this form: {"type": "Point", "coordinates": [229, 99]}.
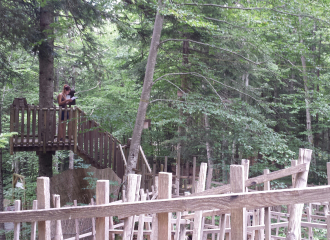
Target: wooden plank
{"type": "Point", "coordinates": [28, 124]}
{"type": "Point", "coordinates": [54, 125]}
{"type": "Point", "coordinates": [199, 203]}
{"type": "Point", "coordinates": [75, 129]}
{"type": "Point", "coordinates": [17, 225]}
{"type": "Point", "coordinates": [105, 156]}
{"type": "Point", "coordinates": [131, 189]}
{"type": "Point", "coordinates": [43, 197]}
{"type": "Point", "coordinates": [198, 231]}
{"type": "Point", "coordinates": [93, 223]}
{"type": "Point", "coordinates": [194, 176]}
{"type": "Point", "coordinates": [268, 230]}
{"type": "Point", "coordinates": [145, 159]}
{"type": "Point", "coordinates": [114, 151]}
{"type": "Point", "coordinates": [237, 216]}
{"type": "Point", "coordinates": [86, 134]}
{"type": "Point", "coordinates": [102, 163]}
{"type": "Point", "coordinates": [34, 224]}
{"type": "Point", "coordinates": [34, 121]}
{"type": "Point", "coordinates": [256, 180]}
{"type": "Point", "coordinates": [122, 154]}
{"type": "Point", "coordinates": [165, 164]}
{"type": "Point", "coordinates": [58, 223]}
{"type": "Point", "coordinates": [110, 158]}
{"type": "Point", "coordinates": [59, 124]}
{"type": "Point", "coordinates": [48, 127]}
{"type": "Point", "coordinates": [91, 140]}
{"type": "Point", "coordinates": [102, 197]}
{"type": "Point", "coordinates": [16, 124]}
{"type": "Point", "coordinates": [76, 221]}
{"type": "Point", "coordinates": [141, 218]}
{"type": "Point", "coordinates": [22, 125]}
{"type": "Point", "coordinates": [96, 143]}
{"type": "Point", "coordinates": [164, 192]}
{"type": "Point", "coordinates": [70, 125]}
{"type": "Point", "coordinates": [294, 227]}
{"type": "Point", "coordinates": [65, 122]}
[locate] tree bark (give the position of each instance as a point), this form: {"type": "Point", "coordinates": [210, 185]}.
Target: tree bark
{"type": "Point", "coordinates": [2, 225]}
{"type": "Point", "coordinates": [208, 154]}
{"type": "Point", "coordinates": [46, 79]}
{"type": "Point", "coordinates": [145, 95]}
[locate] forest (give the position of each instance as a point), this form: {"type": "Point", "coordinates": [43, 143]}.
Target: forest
{"type": "Point", "coordinates": [224, 81]}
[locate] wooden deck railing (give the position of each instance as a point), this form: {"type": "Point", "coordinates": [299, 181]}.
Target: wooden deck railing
{"type": "Point", "coordinates": [37, 130]}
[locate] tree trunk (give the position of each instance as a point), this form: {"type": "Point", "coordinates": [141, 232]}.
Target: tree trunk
{"type": "Point", "coordinates": [2, 225]}
{"type": "Point", "coordinates": [208, 154]}
{"type": "Point", "coordinates": [46, 79]}
{"type": "Point", "coordinates": [145, 95]}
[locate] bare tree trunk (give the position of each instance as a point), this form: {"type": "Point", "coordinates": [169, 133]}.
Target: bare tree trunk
{"type": "Point", "coordinates": [145, 95]}
{"type": "Point", "coordinates": [209, 154]}
{"type": "Point", "coordinates": [46, 79]}
{"type": "Point", "coordinates": [2, 225]}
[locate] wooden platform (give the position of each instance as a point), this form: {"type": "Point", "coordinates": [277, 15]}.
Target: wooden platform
{"type": "Point", "coordinates": [37, 130]}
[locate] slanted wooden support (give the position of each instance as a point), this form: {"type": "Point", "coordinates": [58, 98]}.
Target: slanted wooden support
{"type": "Point", "coordinates": [43, 197]}
{"type": "Point", "coordinates": [17, 225]}
{"type": "Point", "coordinates": [130, 195]}
{"type": "Point", "coordinates": [238, 218]}
{"type": "Point", "coordinates": [294, 226]}
{"type": "Point", "coordinates": [102, 197]}
{"type": "Point", "coordinates": [34, 224]}
{"type": "Point", "coordinates": [164, 192]}
{"type": "Point", "coordinates": [198, 231]}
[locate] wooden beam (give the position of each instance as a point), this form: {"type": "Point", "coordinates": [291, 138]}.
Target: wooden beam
{"type": "Point", "coordinates": [145, 159]}
{"type": "Point", "coordinates": [43, 197]}
{"type": "Point", "coordinates": [256, 180]}
{"type": "Point", "coordinates": [226, 202]}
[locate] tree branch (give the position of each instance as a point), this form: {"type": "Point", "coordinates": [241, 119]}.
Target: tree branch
{"type": "Point", "coordinates": [223, 49]}
{"type": "Point", "coordinates": [90, 88]}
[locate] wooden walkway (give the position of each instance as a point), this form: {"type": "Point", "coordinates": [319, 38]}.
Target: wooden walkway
{"type": "Point", "coordinates": [37, 130]}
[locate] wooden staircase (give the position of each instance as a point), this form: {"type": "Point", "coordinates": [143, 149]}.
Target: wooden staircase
{"type": "Point", "coordinates": [37, 131]}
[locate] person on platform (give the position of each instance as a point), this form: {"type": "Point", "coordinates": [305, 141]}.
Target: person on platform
{"type": "Point", "coordinates": [63, 102]}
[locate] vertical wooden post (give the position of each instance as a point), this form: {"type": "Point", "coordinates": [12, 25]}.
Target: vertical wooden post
{"type": "Point", "coordinates": [165, 164]}
{"type": "Point", "coordinates": [164, 192]}
{"type": "Point", "coordinates": [194, 176]}
{"type": "Point", "coordinates": [58, 225]}
{"type": "Point", "coordinates": [12, 120]}
{"type": "Point", "coordinates": [294, 226]}
{"type": "Point", "coordinates": [76, 221]}
{"type": "Point", "coordinates": [328, 226]}
{"type": "Point", "coordinates": [177, 179]}
{"type": "Point", "coordinates": [93, 224]}
{"type": "Point", "coordinates": [267, 211]}
{"type": "Point", "coordinates": [198, 231]}
{"type": "Point", "coordinates": [221, 234]}
{"type": "Point", "coordinates": [102, 197]}
{"type": "Point", "coordinates": [75, 130]}
{"type": "Point", "coordinates": [17, 225]}
{"type": "Point", "coordinates": [153, 174]}
{"type": "Point", "coordinates": [309, 219]}
{"type": "Point", "coordinates": [328, 172]}
{"type": "Point", "coordinates": [238, 219]}
{"type": "Point", "coordinates": [141, 218]}
{"type": "Point", "coordinates": [130, 195]}
{"type": "Point", "coordinates": [43, 197]}
{"type": "Point", "coordinates": [34, 224]}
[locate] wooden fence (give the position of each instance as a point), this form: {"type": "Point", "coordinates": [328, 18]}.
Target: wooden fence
{"type": "Point", "coordinates": [157, 215]}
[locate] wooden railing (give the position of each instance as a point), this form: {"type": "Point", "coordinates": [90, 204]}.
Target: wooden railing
{"type": "Point", "coordinates": [37, 130]}
{"type": "Point", "coordinates": [137, 207]}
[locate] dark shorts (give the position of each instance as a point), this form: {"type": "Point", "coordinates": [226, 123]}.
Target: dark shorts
{"type": "Point", "coordinates": [67, 115]}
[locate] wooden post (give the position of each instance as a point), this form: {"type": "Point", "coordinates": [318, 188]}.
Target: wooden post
{"type": "Point", "coordinates": [294, 226]}
{"type": "Point", "coordinates": [328, 172]}
{"type": "Point", "coordinates": [143, 178]}
{"type": "Point", "coordinates": [267, 211]}
{"type": "Point", "coordinates": [194, 176]}
{"type": "Point", "coordinates": [12, 120]}
{"type": "Point", "coordinates": [102, 197]}
{"type": "Point", "coordinates": [75, 130]}
{"type": "Point", "coordinates": [153, 174]}
{"type": "Point", "coordinates": [93, 224]}
{"type": "Point", "coordinates": [177, 179]}
{"type": "Point", "coordinates": [238, 219]}
{"type": "Point", "coordinates": [198, 231]}
{"type": "Point", "coordinates": [43, 197]}
{"type": "Point", "coordinates": [17, 225]}
{"type": "Point", "coordinates": [58, 225]}
{"type": "Point", "coordinates": [164, 192]}
{"type": "Point", "coordinates": [76, 222]}
{"type": "Point", "coordinates": [34, 224]}
{"type": "Point", "coordinates": [328, 226]}
{"type": "Point", "coordinates": [141, 218]}
{"type": "Point", "coordinates": [221, 234]}
{"type": "Point", "coordinates": [309, 219]}
{"type": "Point", "coordinates": [130, 196]}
